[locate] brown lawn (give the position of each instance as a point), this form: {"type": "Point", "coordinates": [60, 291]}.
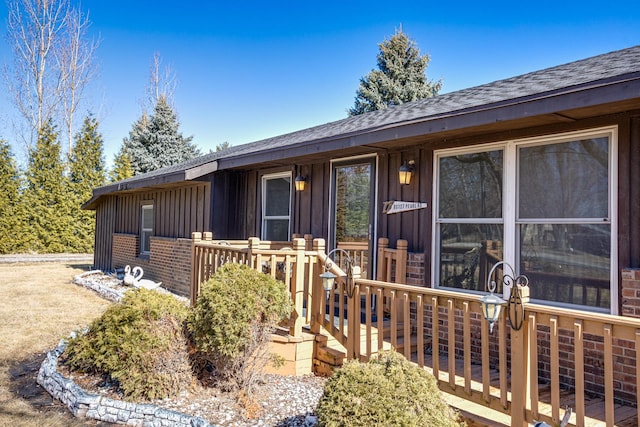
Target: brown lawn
{"type": "Point", "coordinates": [38, 306]}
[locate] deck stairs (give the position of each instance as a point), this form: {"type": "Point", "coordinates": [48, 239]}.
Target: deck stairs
{"type": "Point", "coordinates": [330, 354]}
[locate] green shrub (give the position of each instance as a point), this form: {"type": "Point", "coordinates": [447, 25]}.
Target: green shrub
{"type": "Point", "coordinates": [140, 343]}
{"type": "Point", "coordinates": [387, 391]}
{"type": "Point", "coordinates": [232, 320]}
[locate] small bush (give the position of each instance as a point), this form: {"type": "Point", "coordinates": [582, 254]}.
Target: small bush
{"type": "Point", "coordinates": [387, 391]}
{"type": "Point", "coordinates": [232, 320]}
{"type": "Point", "coordinates": [140, 343]}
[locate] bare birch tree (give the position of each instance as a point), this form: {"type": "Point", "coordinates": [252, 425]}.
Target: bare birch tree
{"type": "Point", "coordinates": [77, 68]}
{"type": "Point", "coordinates": [33, 29]}
{"type": "Point", "coordinates": [162, 85]}
{"type": "Point", "coordinates": [52, 62]}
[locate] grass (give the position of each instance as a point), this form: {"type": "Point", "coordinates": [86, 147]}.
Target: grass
{"type": "Point", "coordinates": [38, 307]}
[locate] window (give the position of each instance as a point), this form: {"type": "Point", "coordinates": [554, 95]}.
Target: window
{"type": "Point", "coordinates": [146, 228]}
{"type": "Point", "coordinates": [276, 206]}
{"type": "Point", "coordinates": [543, 205]}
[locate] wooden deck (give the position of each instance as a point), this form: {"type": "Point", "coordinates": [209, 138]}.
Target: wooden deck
{"type": "Point", "coordinates": [477, 412]}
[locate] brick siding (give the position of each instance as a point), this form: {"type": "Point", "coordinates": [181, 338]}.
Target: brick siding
{"type": "Point", "coordinates": [415, 269]}
{"type": "Point", "coordinates": [169, 260]}
{"type": "Point", "coordinates": [630, 296]}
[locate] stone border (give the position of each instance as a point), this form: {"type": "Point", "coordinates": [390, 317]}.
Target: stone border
{"type": "Point", "coordinates": [83, 404]}
{"type": "Point", "coordinates": [104, 291]}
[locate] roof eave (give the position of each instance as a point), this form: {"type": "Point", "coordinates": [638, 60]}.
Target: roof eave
{"type": "Point", "coordinates": [545, 103]}
{"type": "Point", "coordinates": [122, 186]}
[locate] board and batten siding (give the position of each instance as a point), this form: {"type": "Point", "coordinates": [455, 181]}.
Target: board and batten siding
{"type": "Point", "coordinates": [105, 227]}
{"type": "Point", "coordinates": [177, 211]}
{"type": "Point", "coordinates": [311, 207]}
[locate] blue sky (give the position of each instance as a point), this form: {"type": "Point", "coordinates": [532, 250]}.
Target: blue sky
{"type": "Point", "coordinates": [251, 70]}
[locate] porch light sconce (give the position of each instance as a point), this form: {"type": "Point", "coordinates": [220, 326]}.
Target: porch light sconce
{"type": "Point", "coordinates": [406, 171]}
{"type": "Point", "coordinates": [518, 287]}
{"type": "Point", "coordinates": [329, 279]}
{"type": "Point", "coordinates": [300, 182]}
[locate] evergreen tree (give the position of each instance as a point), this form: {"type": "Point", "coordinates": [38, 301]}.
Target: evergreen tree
{"type": "Point", "coordinates": [87, 171]}
{"type": "Point", "coordinates": [223, 146]}
{"type": "Point", "coordinates": [400, 77]}
{"type": "Point", "coordinates": [122, 168]}
{"type": "Point", "coordinates": [10, 224]}
{"type": "Point", "coordinates": [156, 142]}
{"type": "Point", "coordinates": [46, 199]}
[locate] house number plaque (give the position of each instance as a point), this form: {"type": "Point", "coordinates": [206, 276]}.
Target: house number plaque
{"type": "Point", "coordinates": [391, 207]}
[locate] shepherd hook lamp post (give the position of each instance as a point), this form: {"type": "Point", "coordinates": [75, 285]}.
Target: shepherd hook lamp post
{"type": "Point", "coordinates": [518, 295]}
{"type": "Point", "coordinates": [328, 278]}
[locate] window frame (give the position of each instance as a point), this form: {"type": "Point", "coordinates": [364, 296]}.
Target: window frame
{"type": "Point", "coordinates": [510, 204]}
{"type": "Point", "coordinates": [148, 232]}
{"type": "Point", "coordinates": [264, 216]}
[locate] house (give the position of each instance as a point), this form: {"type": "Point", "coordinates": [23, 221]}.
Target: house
{"type": "Point", "coordinates": [539, 170]}
{"type": "Point", "coordinates": [539, 167]}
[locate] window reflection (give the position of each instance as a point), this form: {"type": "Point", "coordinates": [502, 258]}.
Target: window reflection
{"type": "Point", "coordinates": [471, 185]}
{"type": "Point", "coordinates": [567, 263]}
{"type": "Point", "coordinates": [561, 236]}
{"type": "Point", "coordinates": [465, 252]}
{"type": "Point", "coordinates": [567, 180]}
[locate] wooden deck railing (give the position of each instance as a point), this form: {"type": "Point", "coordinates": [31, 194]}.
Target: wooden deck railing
{"type": "Point", "coordinates": [285, 261]}
{"type": "Point", "coordinates": [358, 252]}
{"type": "Point", "coordinates": [525, 373]}
{"type": "Point", "coordinates": [392, 263]}
{"type": "Point", "coordinates": [521, 373]}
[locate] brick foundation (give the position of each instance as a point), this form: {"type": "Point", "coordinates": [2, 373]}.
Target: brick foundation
{"type": "Point", "coordinates": [124, 250]}
{"type": "Point", "coordinates": [170, 263]}
{"type": "Point", "coordinates": [169, 260]}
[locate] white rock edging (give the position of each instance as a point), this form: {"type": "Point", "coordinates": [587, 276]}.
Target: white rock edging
{"type": "Point", "coordinates": [83, 404]}
{"type": "Point", "coordinates": [104, 291]}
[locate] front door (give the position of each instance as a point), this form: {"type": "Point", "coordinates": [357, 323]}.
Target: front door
{"type": "Point", "coordinates": [353, 211]}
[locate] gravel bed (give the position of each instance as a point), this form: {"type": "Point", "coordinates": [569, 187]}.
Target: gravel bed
{"type": "Point", "coordinates": [279, 400]}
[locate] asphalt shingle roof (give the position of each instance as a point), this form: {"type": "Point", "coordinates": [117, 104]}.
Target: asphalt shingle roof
{"type": "Point", "coordinates": [563, 78]}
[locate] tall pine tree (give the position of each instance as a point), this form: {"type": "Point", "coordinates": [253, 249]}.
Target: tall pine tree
{"type": "Point", "coordinates": [46, 200]}
{"type": "Point", "coordinates": [400, 77]}
{"type": "Point", "coordinates": [156, 142]}
{"type": "Point", "coordinates": [11, 232]}
{"type": "Point", "coordinates": [122, 168]}
{"type": "Point", "coordinates": [87, 171]}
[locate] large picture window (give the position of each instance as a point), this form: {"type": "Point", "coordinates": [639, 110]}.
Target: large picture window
{"type": "Point", "coordinates": [146, 228]}
{"type": "Point", "coordinates": [543, 205]}
{"type": "Point", "coordinates": [276, 206]}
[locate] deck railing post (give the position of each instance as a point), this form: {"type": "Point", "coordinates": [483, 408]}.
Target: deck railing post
{"type": "Point", "coordinates": [401, 262]}
{"type": "Point", "coordinates": [254, 245]}
{"type": "Point", "coordinates": [383, 243]}
{"type": "Point", "coordinates": [317, 291]}
{"type": "Point", "coordinates": [520, 374]}
{"type": "Point", "coordinates": [297, 288]}
{"type": "Point", "coordinates": [194, 288]}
